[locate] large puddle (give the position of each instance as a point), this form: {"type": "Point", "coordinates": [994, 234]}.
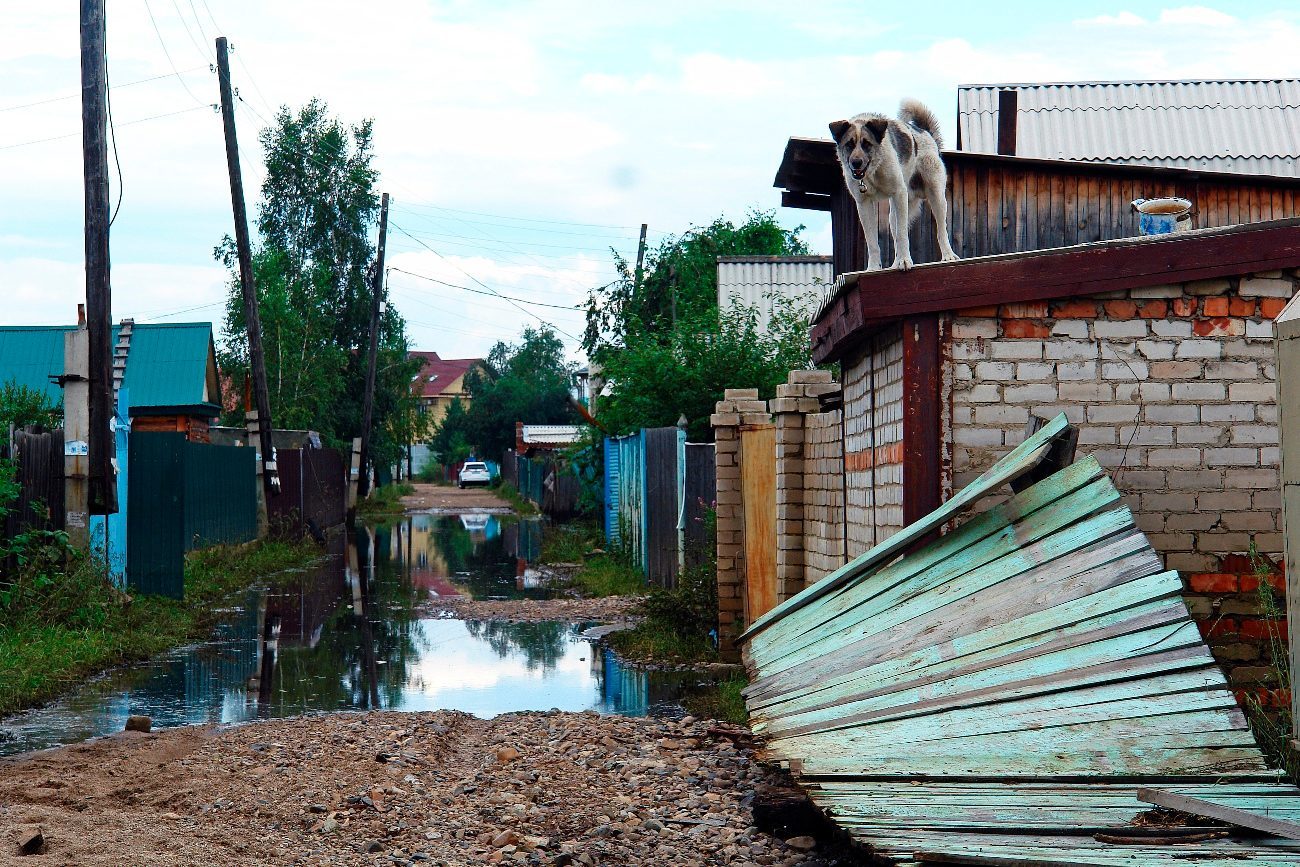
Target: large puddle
{"type": "Point", "coordinates": [350, 635]}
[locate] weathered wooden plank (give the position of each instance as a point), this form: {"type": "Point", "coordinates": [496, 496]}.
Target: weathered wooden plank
{"type": "Point", "coordinates": [1234, 815]}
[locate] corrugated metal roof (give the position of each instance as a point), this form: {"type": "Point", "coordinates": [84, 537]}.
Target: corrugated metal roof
{"type": "Point", "coordinates": [1250, 127]}
{"type": "Point", "coordinates": [551, 434]}
{"type": "Point", "coordinates": [762, 281]}
{"type": "Point", "coordinates": [166, 366]}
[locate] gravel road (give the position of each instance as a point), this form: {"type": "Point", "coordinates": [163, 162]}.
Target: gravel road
{"type": "Point", "coordinates": [393, 788]}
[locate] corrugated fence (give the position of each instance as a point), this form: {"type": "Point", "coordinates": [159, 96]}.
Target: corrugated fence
{"type": "Point", "coordinates": [658, 491]}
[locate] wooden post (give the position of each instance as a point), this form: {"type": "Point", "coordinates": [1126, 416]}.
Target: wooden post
{"type": "Point", "coordinates": [1008, 111]}
{"type": "Point", "coordinates": [1287, 330]}
{"type": "Point", "coordinates": [372, 357]}
{"type": "Point", "coordinates": [640, 256]}
{"type": "Point", "coordinates": [102, 493]}
{"type": "Point", "coordinates": [256, 361]}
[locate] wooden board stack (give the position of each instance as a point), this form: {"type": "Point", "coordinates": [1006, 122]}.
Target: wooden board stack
{"type": "Point", "coordinates": [999, 695]}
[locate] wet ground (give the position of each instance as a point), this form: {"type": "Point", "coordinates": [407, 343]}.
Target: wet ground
{"type": "Point", "coordinates": [355, 634]}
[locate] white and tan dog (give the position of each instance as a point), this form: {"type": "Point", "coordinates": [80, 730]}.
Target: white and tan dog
{"type": "Point", "coordinates": [896, 160]}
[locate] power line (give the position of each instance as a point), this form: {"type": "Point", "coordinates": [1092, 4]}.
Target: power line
{"type": "Point", "coordinates": [128, 123]}
{"type": "Point", "coordinates": [481, 292]}
{"type": "Point", "coordinates": [520, 219]}
{"type": "Point", "coordinates": [162, 42]}
{"type": "Point", "coordinates": [498, 224]}
{"type": "Point", "coordinates": [197, 46]}
{"type": "Point", "coordinates": [114, 87]}
{"type": "Point", "coordinates": [481, 283]}
{"type": "Point", "coordinates": [446, 235]}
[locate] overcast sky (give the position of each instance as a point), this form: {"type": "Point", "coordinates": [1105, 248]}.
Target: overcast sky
{"type": "Point", "coordinates": [519, 141]}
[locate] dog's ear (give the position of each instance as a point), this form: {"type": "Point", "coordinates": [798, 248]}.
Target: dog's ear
{"type": "Point", "coordinates": [839, 128]}
{"type": "Point", "coordinates": [879, 126]}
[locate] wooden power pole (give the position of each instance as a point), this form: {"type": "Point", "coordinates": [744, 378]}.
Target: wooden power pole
{"type": "Point", "coordinates": [102, 494]}
{"type": "Point", "coordinates": [640, 257]}
{"type": "Point", "coordinates": [261, 396]}
{"type": "Point", "coordinates": [372, 350]}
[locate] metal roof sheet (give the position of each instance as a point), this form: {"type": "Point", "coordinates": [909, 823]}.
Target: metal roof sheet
{"type": "Point", "coordinates": [551, 434]}
{"type": "Point", "coordinates": [166, 366]}
{"type": "Point", "coordinates": [1250, 127]}
{"type": "Point", "coordinates": [763, 280]}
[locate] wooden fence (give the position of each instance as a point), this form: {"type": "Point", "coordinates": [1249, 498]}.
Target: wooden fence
{"type": "Point", "coordinates": [659, 490]}
{"type": "Point", "coordinates": [38, 462]}
{"type": "Point", "coordinates": [547, 483]}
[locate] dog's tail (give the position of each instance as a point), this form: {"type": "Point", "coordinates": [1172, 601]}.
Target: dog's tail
{"type": "Point", "coordinates": [914, 112]}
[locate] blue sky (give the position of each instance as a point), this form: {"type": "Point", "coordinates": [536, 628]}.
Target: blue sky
{"type": "Point", "coordinates": [519, 141]}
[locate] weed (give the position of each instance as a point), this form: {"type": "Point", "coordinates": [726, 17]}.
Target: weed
{"type": "Point", "coordinates": [386, 499]}
{"type": "Point", "coordinates": [1272, 728]}
{"type": "Point", "coordinates": [721, 701]}
{"type": "Point", "coordinates": [607, 575]}
{"type": "Point", "coordinates": [572, 542]}
{"type": "Point", "coordinates": [511, 495]}
{"type": "Point", "coordinates": [656, 641]}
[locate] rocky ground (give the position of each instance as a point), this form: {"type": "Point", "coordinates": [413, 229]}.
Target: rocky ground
{"type": "Point", "coordinates": [396, 788]}
{"type": "Point", "coordinates": [450, 499]}
{"type": "Point", "coordinates": [606, 609]}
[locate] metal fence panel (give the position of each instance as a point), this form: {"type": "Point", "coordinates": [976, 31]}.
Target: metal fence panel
{"type": "Point", "coordinates": [701, 494]}
{"type": "Point", "coordinates": [611, 491]}
{"type": "Point", "coordinates": [155, 518]}
{"type": "Point", "coordinates": [661, 505]}
{"type": "Point", "coordinates": [220, 484]}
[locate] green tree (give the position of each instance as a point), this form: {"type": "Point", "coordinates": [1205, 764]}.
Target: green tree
{"type": "Point", "coordinates": [313, 269]}
{"type": "Point", "coordinates": [450, 441]}
{"type": "Point", "coordinates": [666, 349]}
{"type": "Point", "coordinates": [21, 406]}
{"type": "Point", "coordinates": [526, 382]}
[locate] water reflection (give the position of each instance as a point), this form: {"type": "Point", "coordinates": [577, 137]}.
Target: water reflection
{"type": "Point", "coordinates": [350, 635]}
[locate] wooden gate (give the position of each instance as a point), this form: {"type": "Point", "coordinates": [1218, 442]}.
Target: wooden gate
{"type": "Point", "coordinates": [758, 500]}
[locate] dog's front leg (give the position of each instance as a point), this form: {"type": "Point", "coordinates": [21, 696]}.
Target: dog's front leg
{"type": "Point", "coordinates": [898, 225]}
{"type": "Point", "coordinates": [868, 214]}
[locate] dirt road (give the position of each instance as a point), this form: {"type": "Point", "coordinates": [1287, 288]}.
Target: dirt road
{"type": "Point", "coordinates": [440, 498]}
{"type": "Point", "coordinates": [397, 788]}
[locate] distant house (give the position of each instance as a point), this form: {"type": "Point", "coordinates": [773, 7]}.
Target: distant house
{"type": "Point", "coordinates": [169, 370]}
{"type": "Point", "coordinates": [767, 281]}
{"type": "Point", "coordinates": [441, 381]}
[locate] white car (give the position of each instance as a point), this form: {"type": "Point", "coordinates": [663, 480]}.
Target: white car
{"type": "Point", "coordinates": [473, 473]}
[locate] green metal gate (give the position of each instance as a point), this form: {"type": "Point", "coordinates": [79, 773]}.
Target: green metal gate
{"type": "Point", "coordinates": [182, 496]}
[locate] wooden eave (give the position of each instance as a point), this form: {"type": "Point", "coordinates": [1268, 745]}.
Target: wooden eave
{"type": "Point", "coordinates": [809, 172]}
{"type": "Point", "coordinates": [866, 300]}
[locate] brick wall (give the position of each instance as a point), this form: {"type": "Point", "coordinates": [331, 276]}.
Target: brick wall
{"type": "Point", "coordinates": [823, 496]}
{"type": "Point", "coordinates": [1173, 390]}
{"type": "Point", "coordinates": [738, 406]}
{"type": "Point", "coordinates": [873, 432]}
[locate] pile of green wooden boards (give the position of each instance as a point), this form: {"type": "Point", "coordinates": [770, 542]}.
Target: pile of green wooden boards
{"type": "Point", "coordinates": [1017, 690]}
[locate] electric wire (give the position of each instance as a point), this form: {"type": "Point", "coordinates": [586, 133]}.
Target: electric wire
{"type": "Point", "coordinates": [481, 292]}
{"type": "Point", "coordinates": [168, 54]}
{"type": "Point", "coordinates": [484, 285]}
{"type": "Point", "coordinates": [114, 87]}
{"type": "Point", "coordinates": [197, 46]}
{"type": "Point", "coordinates": [127, 123]}
{"type": "Point", "coordinates": [112, 130]}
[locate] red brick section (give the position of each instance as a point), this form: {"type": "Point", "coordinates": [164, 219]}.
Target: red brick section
{"type": "Point", "coordinates": [1156, 309]}
{"type": "Point", "coordinates": [1024, 328]}
{"type": "Point", "coordinates": [1075, 310]}
{"type": "Point", "coordinates": [1271, 307]}
{"type": "Point", "coordinates": [1232, 619]}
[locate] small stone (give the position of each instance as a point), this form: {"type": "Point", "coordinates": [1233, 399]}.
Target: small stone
{"type": "Point", "coordinates": [319, 808]}
{"type": "Point", "coordinates": [373, 846]}
{"type": "Point", "coordinates": [506, 754]}
{"type": "Point", "coordinates": [31, 841]}
{"type": "Point", "coordinates": [329, 826]}
{"type": "Point", "coordinates": [505, 838]}
{"type": "Point", "coordinates": [803, 844]}
{"type": "Point", "coordinates": [139, 723]}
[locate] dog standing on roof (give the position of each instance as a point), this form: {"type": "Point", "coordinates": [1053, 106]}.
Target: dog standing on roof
{"type": "Point", "coordinates": [896, 160]}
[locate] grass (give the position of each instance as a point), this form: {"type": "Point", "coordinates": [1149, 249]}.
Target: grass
{"type": "Point", "coordinates": [721, 701]}
{"type": "Point", "coordinates": [511, 495]}
{"type": "Point", "coordinates": [654, 640]}
{"type": "Point", "coordinates": [571, 542]}
{"type": "Point", "coordinates": [385, 500]}
{"type": "Point", "coordinates": [47, 648]}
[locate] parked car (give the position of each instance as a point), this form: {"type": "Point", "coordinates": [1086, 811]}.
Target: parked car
{"type": "Point", "coordinates": [473, 473]}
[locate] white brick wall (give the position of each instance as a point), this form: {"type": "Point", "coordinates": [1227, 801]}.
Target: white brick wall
{"type": "Point", "coordinates": [1173, 391]}
{"type": "Point", "coordinates": [873, 401]}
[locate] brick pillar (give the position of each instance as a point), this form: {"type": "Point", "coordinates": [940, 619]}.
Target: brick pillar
{"type": "Point", "coordinates": [731, 550]}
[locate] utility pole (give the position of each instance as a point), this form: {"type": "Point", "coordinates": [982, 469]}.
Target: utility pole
{"type": "Point", "coordinates": [640, 257]}
{"type": "Point", "coordinates": [102, 493]}
{"type": "Point", "coordinates": [261, 397]}
{"type": "Point", "coordinates": [372, 358]}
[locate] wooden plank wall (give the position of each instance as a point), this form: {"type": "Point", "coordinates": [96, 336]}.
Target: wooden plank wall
{"type": "Point", "coordinates": [38, 456]}
{"type": "Point", "coordinates": [758, 500]}
{"type": "Point", "coordinates": [999, 208]}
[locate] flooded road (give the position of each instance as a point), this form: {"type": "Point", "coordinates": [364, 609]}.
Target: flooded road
{"type": "Point", "coordinates": [351, 635]}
